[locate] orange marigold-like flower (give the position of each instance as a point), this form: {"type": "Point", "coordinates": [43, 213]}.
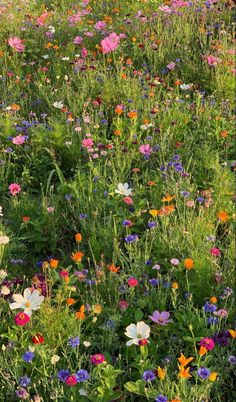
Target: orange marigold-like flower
{"type": "Point", "coordinates": [81, 313]}
{"type": "Point", "coordinates": [70, 301]}
{"type": "Point", "coordinates": [54, 263]}
{"type": "Point", "coordinates": [223, 216]}
{"type": "Point", "coordinates": [132, 115]}
{"type": "Point", "coordinates": [78, 237]}
{"type": "Point", "coordinates": [77, 256]}
{"type": "Point", "coordinates": [188, 263]}
{"type": "Point", "coordinates": [184, 372]}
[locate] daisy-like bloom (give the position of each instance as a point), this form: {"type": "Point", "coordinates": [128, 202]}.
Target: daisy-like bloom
{"type": "Point", "coordinates": [14, 188]}
{"type": "Point", "coordinates": [28, 302]}
{"type": "Point", "coordinates": [184, 361]}
{"type": "Point", "coordinates": [16, 44]}
{"type": "Point", "coordinates": [4, 240]}
{"type": "Point", "coordinates": [137, 332]}
{"type": "Point", "coordinates": [160, 318]}
{"type": "Point", "coordinates": [97, 359]}
{"type": "Point", "coordinates": [21, 319]}
{"type": "Point", "coordinates": [58, 105]}
{"type": "Point", "coordinates": [123, 189]}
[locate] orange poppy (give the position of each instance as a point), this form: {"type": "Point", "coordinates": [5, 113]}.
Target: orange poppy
{"type": "Point", "coordinates": [213, 300]}
{"type": "Point", "coordinates": [80, 314]}
{"type": "Point", "coordinates": [184, 360]}
{"type": "Point", "coordinates": [168, 198]}
{"type": "Point", "coordinates": [117, 132]}
{"type": "Point", "coordinates": [113, 268]}
{"type": "Point", "coordinates": [202, 351]}
{"type": "Point", "coordinates": [184, 372]}
{"type": "Point", "coordinates": [174, 285]}
{"type": "Point", "coordinates": [118, 111]}
{"type": "Point", "coordinates": [224, 134]}
{"type": "Point", "coordinates": [78, 237]}
{"type": "Point", "coordinates": [70, 301]}
{"type": "Point", "coordinates": [151, 183]}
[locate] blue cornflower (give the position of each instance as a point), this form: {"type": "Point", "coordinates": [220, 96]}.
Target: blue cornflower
{"type": "Point", "coordinates": [213, 320]}
{"type": "Point", "coordinates": [74, 342]}
{"type": "Point", "coordinates": [209, 308]}
{"type": "Point", "coordinates": [148, 375]}
{"type": "Point", "coordinates": [82, 375]}
{"type": "Point", "coordinates": [232, 359]}
{"type": "Point", "coordinates": [28, 356]}
{"type": "Point", "coordinates": [63, 374]}
{"type": "Point", "coordinates": [24, 381]}
{"type": "Point", "coordinates": [153, 282]}
{"type": "Point", "coordinates": [203, 373]}
{"type": "Point", "coordinates": [131, 238]}
{"type": "Point", "coordinates": [151, 224]}
{"type": "Point", "coordinates": [83, 216]}
{"type": "Point", "coordinates": [161, 398]}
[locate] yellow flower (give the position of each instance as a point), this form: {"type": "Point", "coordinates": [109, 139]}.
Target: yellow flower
{"type": "Point", "coordinates": [212, 376]}
{"type": "Point", "coordinates": [97, 308]}
{"type": "Point", "coordinates": [161, 373]}
{"type": "Point", "coordinates": [153, 212]}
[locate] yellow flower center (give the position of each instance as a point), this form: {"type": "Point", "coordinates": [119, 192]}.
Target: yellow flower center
{"type": "Point", "coordinates": [27, 304]}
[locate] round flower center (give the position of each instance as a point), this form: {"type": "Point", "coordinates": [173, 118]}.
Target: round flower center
{"type": "Point", "coordinates": [27, 304]}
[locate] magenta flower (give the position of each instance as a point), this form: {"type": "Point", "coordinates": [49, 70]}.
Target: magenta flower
{"type": "Point", "coordinates": [18, 140]}
{"type": "Point", "coordinates": [78, 40]}
{"type": "Point", "coordinates": [208, 343]}
{"type": "Point", "coordinates": [145, 149]}
{"type": "Point", "coordinates": [87, 143]}
{"type": "Point", "coordinates": [97, 359]}
{"type": "Point", "coordinates": [215, 252]}
{"type": "Point", "coordinates": [160, 318]}
{"type": "Point", "coordinates": [16, 44]}
{"type": "Point", "coordinates": [100, 25]}
{"type": "Point", "coordinates": [110, 43]}
{"type": "Point", "coordinates": [212, 61]}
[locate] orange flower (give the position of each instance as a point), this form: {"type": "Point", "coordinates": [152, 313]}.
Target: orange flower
{"type": "Point", "coordinates": [151, 183]}
{"type": "Point", "coordinates": [123, 76]}
{"type": "Point", "coordinates": [117, 132]}
{"type": "Point", "coordinates": [1, 53]}
{"type": "Point", "coordinates": [25, 219]}
{"type": "Point", "coordinates": [184, 372]}
{"type": "Point", "coordinates": [15, 107]}
{"type": "Point", "coordinates": [213, 300]}
{"type": "Point", "coordinates": [184, 360]}
{"type": "Point", "coordinates": [77, 256]}
{"type": "Point", "coordinates": [97, 308]}
{"type": "Point", "coordinates": [224, 134]}
{"type": "Point", "coordinates": [175, 400]}
{"type": "Point", "coordinates": [54, 263]}
{"type": "Point", "coordinates": [189, 263]}
{"type": "Point", "coordinates": [113, 268]}
{"type": "Point", "coordinates": [174, 285]}
{"type": "Point", "coordinates": [118, 111]}
{"type": "Point", "coordinates": [161, 373]}
{"type": "Point", "coordinates": [202, 351]}
{"type": "Point", "coordinates": [129, 62]}
{"type": "Point", "coordinates": [177, 82]}
{"type": "Point", "coordinates": [223, 216]}
{"type": "Point", "coordinates": [48, 45]}
{"type": "Point", "coordinates": [232, 333]}
{"type": "Point", "coordinates": [70, 301]}
{"type": "Point", "coordinates": [78, 237]}
{"type": "Point", "coordinates": [132, 115]}
{"type": "Point", "coordinates": [168, 198]}
{"type": "Point", "coordinates": [80, 314]}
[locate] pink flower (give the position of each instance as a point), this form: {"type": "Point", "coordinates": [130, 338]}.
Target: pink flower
{"type": "Point", "coordinates": [78, 40]}
{"type": "Point", "coordinates": [145, 149]}
{"type": "Point", "coordinates": [84, 52]}
{"type": "Point", "coordinates": [221, 313]}
{"type": "Point", "coordinates": [174, 261]}
{"type": "Point", "coordinates": [215, 251]}
{"type": "Point", "coordinates": [123, 304]}
{"type": "Point", "coordinates": [165, 9]}
{"type": "Point", "coordinates": [97, 359]}
{"type": "Point", "coordinates": [212, 61]}
{"type": "Point", "coordinates": [190, 204]}
{"type": "Point", "coordinates": [110, 43]}
{"type": "Point", "coordinates": [50, 209]}
{"type": "Point", "coordinates": [71, 380]}
{"type": "Point", "coordinates": [18, 140]}
{"type": "Point", "coordinates": [208, 343]}
{"type": "Point", "coordinates": [14, 188]}
{"type": "Point", "coordinates": [87, 143]}
{"type": "Point", "coordinates": [128, 200]}
{"type": "Point", "coordinates": [21, 319]}
{"type": "Point", "coordinates": [132, 282]}
{"type": "Point", "coordinates": [171, 65]}
{"type": "Point", "coordinates": [100, 25]}
{"type": "Point", "coordinates": [42, 19]}
{"type": "Point", "coordinates": [160, 318]}
{"type": "Point", "coordinates": [16, 44]}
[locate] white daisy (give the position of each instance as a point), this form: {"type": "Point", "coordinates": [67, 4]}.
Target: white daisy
{"type": "Point", "coordinates": [29, 302]}
{"type": "Point", "coordinates": [124, 189]}
{"type": "Point", "coordinates": [137, 332]}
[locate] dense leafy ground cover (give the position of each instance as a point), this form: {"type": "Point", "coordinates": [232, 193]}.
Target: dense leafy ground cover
{"type": "Point", "coordinates": [117, 200]}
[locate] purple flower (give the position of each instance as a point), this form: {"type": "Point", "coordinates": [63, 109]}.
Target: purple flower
{"type": "Point", "coordinates": [74, 342]}
{"type": "Point", "coordinates": [131, 238]}
{"type": "Point", "coordinates": [28, 356]}
{"type": "Point", "coordinates": [24, 381]}
{"type": "Point", "coordinates": [209, 308]}
{"type": "Point", "coordinates": [160, 318]}
{"type": "Point", "coordinates": [153, 281]}
{"type": "Point", "coordinates": [82, 375]}
{"type": "Point", "coordinates": [161, 398]}
{"type": "Point", "coordinates": [63, 374]}
{"type": "Point", "coordinates": [22, 393]}
{"type": "Point", "coordinates": [232, 359]}
{"type": "Point", "coordinates": [203, 373]}
{"type": "Point", "coordinates": [148, 375]}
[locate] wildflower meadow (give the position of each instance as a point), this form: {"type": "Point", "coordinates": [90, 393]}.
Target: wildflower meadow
{"type": "Point", "coordinates": [117, 197]}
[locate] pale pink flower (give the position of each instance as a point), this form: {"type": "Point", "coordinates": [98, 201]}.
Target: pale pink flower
{"type": "Point", "coordinates": [18, 140]}
{"type": "Point", "coordinates": [14, 188]}
{"type": "Point", "coordinates": [145, 149]}
{"type": "Point", "coordinates": [16, 44]}
{"type": "Point", "coordinates": [110, 43]}
{"type": "Point", "coordinates": [190, 204]}
{"type": "Point", "coordinates": [128, 200]}
{"type": "Point", "coordinates": [50, 209]}
{"type": "Point", "coordinates": [100, 25]}
{"type": "Point", "coordinates": [42, 19]}
{"type": "Point", "coordinates": [171, 65]}
{"type": "Point", "coordinates": [212, 61]}
{"type": "Point", "coordinates": [78, 40]}
{"type": "Point", "coordinates": [84, 52]}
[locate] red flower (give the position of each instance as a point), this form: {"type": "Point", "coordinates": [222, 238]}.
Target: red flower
{"type": "Point", "coordinates": [71, 380]}
{"type": "Point", "coordinates": [22, 319]}
{"type": "Point", "coordinates": [132, 282]}
{"type": "Point", "coordinates": [37, 339]}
